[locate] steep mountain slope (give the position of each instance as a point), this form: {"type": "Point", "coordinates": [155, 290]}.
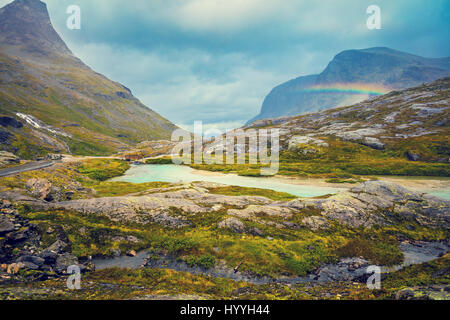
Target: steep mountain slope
{"type": "Point", "coordinates": [50, 101]}
{"type": "Point", "coordinates": [352, 76]}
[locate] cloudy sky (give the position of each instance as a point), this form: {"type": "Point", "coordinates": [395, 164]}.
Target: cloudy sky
{"type": "Point", "coordinates": [216, 60]}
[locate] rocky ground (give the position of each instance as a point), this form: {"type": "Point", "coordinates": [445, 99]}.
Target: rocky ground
{"type": "Point", "coordinates": [212, 231]}
{"type": "Point", "coordinates": [21, 247]}
{"type": "Point", "coordinates": [365, 205]}
{"type": "Point", "coordinates": [7, 159]}
{"type": "Point", "coordinates": [376, 122]}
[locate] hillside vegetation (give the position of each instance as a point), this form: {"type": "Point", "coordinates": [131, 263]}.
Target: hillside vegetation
{"type": "Point", "coordinates": [50, 101]}
{"type": "Point", "coordinates": [405, 132]}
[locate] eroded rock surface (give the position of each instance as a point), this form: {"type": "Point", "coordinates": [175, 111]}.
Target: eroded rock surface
{"type": "Point", "coordinates": [365, 205]}
{"type": "Point", "coordinates": [21, 246]}
{"type": "Point", "coordinates": [7, 158]}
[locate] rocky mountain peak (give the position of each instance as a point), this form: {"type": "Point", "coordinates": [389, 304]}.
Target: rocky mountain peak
{"type": "Point", "coordinates": [26, 29]}
{"type": "Point", "coordinates": [55, 97]}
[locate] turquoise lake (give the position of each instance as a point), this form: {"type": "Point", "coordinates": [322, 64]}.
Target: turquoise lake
{"type": "Point", "coordinates": [183, 174]}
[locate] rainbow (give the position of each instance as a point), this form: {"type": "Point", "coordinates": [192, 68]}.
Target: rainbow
{"type": "Point", "coordinates": [350, 88]}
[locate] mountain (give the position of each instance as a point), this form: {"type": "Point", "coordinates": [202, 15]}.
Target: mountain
{"type": "Point", "coordinates": [402, 133]}
{"type": "Point", "coordinates": [351, 77]}
{"type": "Point", "coordinates": [50, 101]}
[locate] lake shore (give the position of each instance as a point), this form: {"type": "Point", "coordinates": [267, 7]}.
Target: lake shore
{"type": "Point", "coordinates": [414, 183]}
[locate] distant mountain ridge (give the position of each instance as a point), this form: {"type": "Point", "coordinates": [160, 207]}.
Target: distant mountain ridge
{"type": "Point", "coordinates": [64, 105]}
{"type": "Point", "coordinates": [378, 67]}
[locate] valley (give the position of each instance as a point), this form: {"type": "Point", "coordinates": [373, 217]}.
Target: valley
{"type": "Point", "coordinates": [210, 228]}
{"type": "Point", "coordinates": [87, 179]}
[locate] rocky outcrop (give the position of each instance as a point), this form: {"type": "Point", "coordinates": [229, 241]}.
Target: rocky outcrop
{"type": "Point", "coordinates": [435, 292]}
{"type": "Point", "coordinates": [296, 140]}
{"type": "Point", "coordinates": [237, 226]}
{"type": "Point", "coordinates": [374, 143]}
{"type": "Point", "coordinates": [163, 208]}
{"type": "Point", "coordinates": [365, 205]}
{"type": "Point", "coordinates": [200, 196]}
{"type": "Point", "coordinates": [7, 158]}
{"type": "Point", "coordinates": [316, 223]}
{"type": "Point", "coordinates": [44, 190]}
{"type": "Point", "coordinates": [412, 156]}
{"type": "Point", "coordinates": [364, 137]}
{"type": "Point", "coordinates": [261, 211]}
{"type": "Point", "coordinates": [233, 224]}
{"type": "Point", "coordinates": [21, 246]}
{"type": "Point", "coordinates": [145, 209]}
{"type": "Point", "coordinates": [375, 202]}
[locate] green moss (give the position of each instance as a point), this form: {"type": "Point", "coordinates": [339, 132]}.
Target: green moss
{"type": "Point", "coordinates": [103, 169]}
{"type": "Point", "coordinates": [338, 180]}
{"type": "Point", "coordinates": [84, 148]}
{"type": "Point", "coordinates": [433, 272]}
{"type": "Point", "coordinates": [116, 188]}
{"type": "Point", "coordinates": [206, 261]}
{"type": "Point", "coordinates": [159, 161]}
{"type": "Point", "coordinates": [377, 251]}
{"type": "Point", "coordinates": [250, 173]}
{"type": "Point", "coordinates": [244, 191]}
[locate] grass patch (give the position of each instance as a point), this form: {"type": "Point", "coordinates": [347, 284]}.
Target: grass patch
{"type": "Point", "coordinates": [103, 169]}
{"type": "Point", "coordinates": [159, 161]}
{"type": "Point", "coordinates": [244, 191]}
{"type": "Point", "coordinates": [206, 261]}
{"type": "Point", "coordinates": [384, 253]}
{"type": "Point", "coordinates": [118, 188]}
{"type": "Point", "coordinates": [345, 160]}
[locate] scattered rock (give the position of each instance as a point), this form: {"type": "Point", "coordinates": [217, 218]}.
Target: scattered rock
{"type": "Point", "coordinates": [435, 292]}
{"type": "Point", "coordinates": [14, 268]}
{"type": "Point", "coordinates": [64, 261]}
{"type": "Point", "coordinates": [233, 224]}
{"type": "Point", "coordinates": [54, 157]}
{"type": "Point", "coordinates": [43, 189]}
{"type": "Point", "coordinates": [261, 211]}
{"type": "Point", "coordinates": [423, 110]}
{"type": "Point", "coordinates": [346, 269]}
{"type": "Point", "coordinates": [412, 156]}
{"type": "Point", "coordinates": [374, 143]}
{"type": "Point", "coordinates": [132, 253]}
{"type": "Point", "coordinates": [133, 239]}
{"type": "Point", "coordinates": [21, 246]}
{"type": "Point", "coordinates": [6, 225]}
{"type": "Point", "coordinates": [294, 141]}
{"type": "Point", "coordinates": [116, 252]}
{"type": "Point", "coordinates": [58, 247]}
{"type": "Point", "coordinates": [49, 257]}
{"type": "Point", "coordinates": [359, 135]}
{"type": "Point", "coordinates": [7, 158]}
{"type": "Point", "coordinates": [316, 223]}
{"type": "Point", "coordinates": [35, 260]}
{"type": "Point", "coordinates": [217, 207]}
{"type": "Point", "coordinates": [255, 232]}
